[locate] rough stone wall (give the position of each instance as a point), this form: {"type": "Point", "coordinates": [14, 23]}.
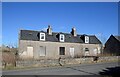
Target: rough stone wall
{"type": "Point", "coordinates": [36, 63]}
{"type": "Point", "coordinates": [68, 61]}
{"type": "Point", "coordinates": [109, 58]}
{"type": "Point", "coordinates": [52, 49]}
{"type": "Point", "coordinates": [94, 49]}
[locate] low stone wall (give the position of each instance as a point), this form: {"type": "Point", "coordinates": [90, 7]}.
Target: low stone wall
{"type": "Point", "coordinates": [109, 59]}
{"type": "Point", "coordinates": [89, 60]}
{"type": "Point", "coordinates": [36, 63]}
{"type": "Point", "coordinates": [68, 61]}
{"type": "Point", "coordinates": [76, 61]}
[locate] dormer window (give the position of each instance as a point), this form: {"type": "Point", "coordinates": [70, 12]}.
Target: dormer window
{"type": "Point", "coordinates": [86, 39]}
{"type": "Point", "coordinates": [42, 36]}
{"type": "Point", "coordinates": [62, 38]}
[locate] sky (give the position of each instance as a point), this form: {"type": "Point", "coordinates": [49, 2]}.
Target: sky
{"type": "Point", "coordinates": [91, 18]}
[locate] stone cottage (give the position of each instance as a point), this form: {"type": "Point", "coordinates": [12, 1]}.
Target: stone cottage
{"type": "Point", "coordinates": [53, 45]}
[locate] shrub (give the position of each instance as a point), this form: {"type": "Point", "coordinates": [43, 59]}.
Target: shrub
{"type": "Point", "coordinates": [8, 58]}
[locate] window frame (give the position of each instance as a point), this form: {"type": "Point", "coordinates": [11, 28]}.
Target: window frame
{"type": "Point", "coordinates": [42, 35]}
{"type": "Point", "coordinates": [86, 49]}
{"type": "Point", "coordinates": [29, 52]}
{"type": "Point", "coordinates": [41, 53]}
{"type": "Point", "coordinates": [61, 51]}
{"type": "Point", "coordinates": [86, 39]}
{"type": "Point", "coordinates": [86, 52]}
{"type": "Point", "coordinates": [72, 52]}
{"type": "Point", "coordinates": [62, 37]}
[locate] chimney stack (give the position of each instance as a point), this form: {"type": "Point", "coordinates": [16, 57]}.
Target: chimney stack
{"type": "Point", "coordinates": [73, 32]}
{"type": "Point", "coordinates": [49, 30]}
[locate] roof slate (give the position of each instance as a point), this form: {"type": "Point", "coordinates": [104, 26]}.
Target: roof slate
{"type": "Point", "coordinates": [117, 37]}
{"type": "Point", "coordinates": [34, 35]}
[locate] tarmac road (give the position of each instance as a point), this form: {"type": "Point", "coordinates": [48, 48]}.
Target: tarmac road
{"type": "Point", "coordinates": [82, 69]}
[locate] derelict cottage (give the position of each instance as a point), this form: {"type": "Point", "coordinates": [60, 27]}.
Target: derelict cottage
{"type": "Point", "coordinates": [52, 45]}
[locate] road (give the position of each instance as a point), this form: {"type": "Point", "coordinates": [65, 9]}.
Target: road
{"type": "Point", "coordinates": [82, 69]}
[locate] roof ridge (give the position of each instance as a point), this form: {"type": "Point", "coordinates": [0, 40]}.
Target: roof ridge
{"type": "Point", "coordinates": [57, 32]}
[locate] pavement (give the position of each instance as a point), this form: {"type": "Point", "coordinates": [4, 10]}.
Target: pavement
{"type": "Point", "coordinates": [82, 69]}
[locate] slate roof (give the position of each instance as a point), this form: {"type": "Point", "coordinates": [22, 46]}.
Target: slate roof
{"type": "Point", "coordinates": [117, 37]}
{"type": "Point", "coordinates": [34, 35]}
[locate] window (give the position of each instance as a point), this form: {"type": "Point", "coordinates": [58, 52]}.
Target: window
{"type": "Point", "coordinates": [42, 36]}
{"type": "Point", "coordinates": [62, 51]}
{"type": "Point", "coordinates": [87, 52]}
{"type": "Point", "coordinates": [99, 50]}
{"type": "Point", "coordinates": [72, 52]}
{"type": "Point", "coordinates": [86, 49]}
{"type": "Point", "coordinates": [86, 39]}
{"type": "Point", "coordinates": [61, 38]}
{"type": "Point", "coordinates": [42, 51]}
{"type": "Point", "coordinates": [30, 52]}
{"type": "Point", "coordinates": [95, 51]}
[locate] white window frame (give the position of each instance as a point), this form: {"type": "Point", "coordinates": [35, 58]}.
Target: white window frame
{"type": "Point", "coordinates": [42, 35]}
{"type": "Point", "coordinates": [62, 36]}
{"type": "Point", "coordinates": [86, 39]}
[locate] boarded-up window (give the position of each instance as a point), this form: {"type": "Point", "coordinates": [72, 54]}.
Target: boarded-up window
{"type": "Point", "coordinates": [72, 52]}
{"type": "Point", "coordinates": [95, 51]}
{"type": "Point", "coordinates": [99, 50]}
{"type": "Point", "coordinates": [62, 51]}
{"type": "Point", "coordinates": [42, 51]}
{"type": "Point", "coordinates": [30, 52]}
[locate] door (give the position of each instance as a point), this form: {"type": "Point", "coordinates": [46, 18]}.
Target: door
{"type": "Point", "coordinates": [42, 51]}
{"type": "Point", "coordinates": [30, 52]}
{"type": "Point", "coordinates": [72, 52]}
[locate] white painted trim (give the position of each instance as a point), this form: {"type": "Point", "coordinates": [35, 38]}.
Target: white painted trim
{"type": "Point", "coordinates": [42, 34]}
{"type": "Point", "coordinates": [62, 35]}
{"type": "Point", "coordinates": [86, 39]}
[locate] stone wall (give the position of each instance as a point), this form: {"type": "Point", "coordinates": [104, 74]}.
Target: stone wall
{"type": "Point", "coordinates": [76, 61]}
{"type": "Point", "coordinates": [36, 63]}
{"type": "Point", "coordinates": [67, 61]}
{"type": "Point", "coordinates": [110, 58]}
{"type": "Point", "coordinates": [52, 49]}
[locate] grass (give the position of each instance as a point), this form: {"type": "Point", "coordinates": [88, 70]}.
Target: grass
{"type": "Point", "coordinates": [47, 66]}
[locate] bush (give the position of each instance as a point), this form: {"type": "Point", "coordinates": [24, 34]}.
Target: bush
{"type": "Point", "coordinates": [8, 58]}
